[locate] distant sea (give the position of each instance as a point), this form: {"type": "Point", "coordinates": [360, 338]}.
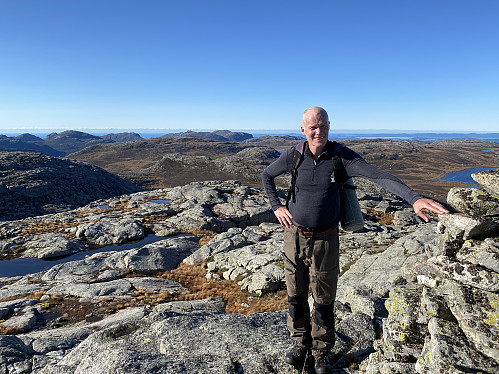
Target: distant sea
{"type": "Point", "coordinates": [426, 136]}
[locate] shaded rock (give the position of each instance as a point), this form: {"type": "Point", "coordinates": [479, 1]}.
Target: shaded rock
{"type": "Point", "coordinates": [94, 268]}
{"type": "Point", "coordinates": [355, 336]}
{"type": "Point", "coordinates": [434, 305]}
{"type": "Point", "coordinates": [233, 238]}
{"type": "Point", "coordinates": [13, 352]}
{"type": "Point", "coordinates": [402, 323]}
{"type": "Point", "coordinates": [446, 351]}
{"type": "Point", "coordinates": [253, 266]}
{"type": "Point", "coordinates": [268, 278]}
{"type": "Point", "coordinates": [218, 206]}
{"type": "Point", "coordinates": [224, 242]}
{"type": "Point", "coordinates": [360, 300]}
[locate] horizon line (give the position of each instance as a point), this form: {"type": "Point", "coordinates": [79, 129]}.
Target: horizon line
{"type": "Point", "coordinates": [152, 130]}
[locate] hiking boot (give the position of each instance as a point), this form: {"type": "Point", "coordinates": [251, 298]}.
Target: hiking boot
{"type": "Point", "coordinates": [296, 356]}
{"type": "Point", "coordinates": [321, 365]}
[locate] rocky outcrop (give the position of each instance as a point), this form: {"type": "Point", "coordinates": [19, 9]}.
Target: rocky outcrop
{"type": "Point", "coordinates": [443, 317]}
{"type": "Point", "coordinates": [412, 297]}
{"type": "Point", "coordinates": [33, 184]}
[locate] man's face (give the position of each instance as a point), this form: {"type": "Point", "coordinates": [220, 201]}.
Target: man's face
{"type": "Point", "coordinates": [316, 132]}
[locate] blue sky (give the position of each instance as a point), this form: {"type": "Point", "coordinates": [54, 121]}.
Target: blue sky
{"type": "Point", "coordinates": [414, 65]}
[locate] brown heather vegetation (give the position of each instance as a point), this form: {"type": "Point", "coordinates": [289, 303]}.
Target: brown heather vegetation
{"type": "Point", "coordinates": [69, 310]}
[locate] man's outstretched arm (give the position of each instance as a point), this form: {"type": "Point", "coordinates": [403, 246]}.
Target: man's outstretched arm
{"type": "Point", "coordinates": [429, 204]}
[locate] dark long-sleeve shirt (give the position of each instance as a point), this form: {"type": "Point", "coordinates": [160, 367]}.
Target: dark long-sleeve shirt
{"type": "Point", "coordinates": [317, 193]}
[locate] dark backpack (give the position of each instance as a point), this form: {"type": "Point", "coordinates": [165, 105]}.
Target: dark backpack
{"type": "Point", "coordinates": [340, 174]}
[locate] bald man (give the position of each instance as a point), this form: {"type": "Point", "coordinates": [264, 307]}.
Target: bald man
{"type": "Point", "coordinates": [311, 242]}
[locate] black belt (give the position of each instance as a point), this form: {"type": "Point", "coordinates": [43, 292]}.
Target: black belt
{"type": "Point", "coordinates": [308, 233]}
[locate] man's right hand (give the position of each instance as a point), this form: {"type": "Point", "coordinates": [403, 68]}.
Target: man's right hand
{"type": "Point", "coordinates": [283, 216]}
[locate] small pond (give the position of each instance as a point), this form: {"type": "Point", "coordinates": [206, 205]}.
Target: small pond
{"type": "Point", "coordinates": [23, 266]}
{"type": "Point", "coordinates": [463, 176]}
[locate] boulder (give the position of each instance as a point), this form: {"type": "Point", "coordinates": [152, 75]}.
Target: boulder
{"type": "Point", "coordinates": [474, 202]}
{"type": "Point", "coordinates": [50, 245]}
{"type": "Point", "coordinates": [110, 231]}
{"type": "Point", "coordinates": [488, 180]}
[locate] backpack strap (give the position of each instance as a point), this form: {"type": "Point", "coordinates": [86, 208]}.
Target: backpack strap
{"type": "Point", "coordinates": [340, 174]}
{"type": "Point", "coordinates": [298, 156]}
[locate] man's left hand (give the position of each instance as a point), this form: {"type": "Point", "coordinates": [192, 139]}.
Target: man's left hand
{"type": "Point", "coordinates": [429, 204]}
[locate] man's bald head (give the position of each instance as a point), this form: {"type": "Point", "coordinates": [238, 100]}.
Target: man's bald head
{"type": "Point", "coordinates": [315, 114]}
{"type": "Point", "coordinates": [315, 127]}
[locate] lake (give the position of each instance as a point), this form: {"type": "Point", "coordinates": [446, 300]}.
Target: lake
{"type": "Point", "coordinates": [463, 176]}
{"type": "Point", "coordinates": [23, 266]}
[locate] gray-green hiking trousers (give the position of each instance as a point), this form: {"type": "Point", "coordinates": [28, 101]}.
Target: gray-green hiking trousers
{"type": "Point", "coordinates": [314, 262]}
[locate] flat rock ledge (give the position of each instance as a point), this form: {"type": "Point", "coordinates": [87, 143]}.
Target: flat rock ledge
{"type": "Point", "coordinates": [412, 297]}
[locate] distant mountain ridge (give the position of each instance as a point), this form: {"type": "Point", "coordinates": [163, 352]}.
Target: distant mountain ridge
{"type": "Point", "coordinates": [70, 141]}
{"type": "Point", "coordinates": [61, 144]}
